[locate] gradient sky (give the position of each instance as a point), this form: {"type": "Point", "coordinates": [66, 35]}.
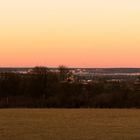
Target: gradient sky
{"type": "Point", "coordinates": [76, 33]}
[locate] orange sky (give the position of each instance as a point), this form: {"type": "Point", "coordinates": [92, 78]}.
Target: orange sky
{"type": "Point", "coordinates": [76, 33]}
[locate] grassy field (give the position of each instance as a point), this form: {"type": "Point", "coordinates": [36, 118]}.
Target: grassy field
{"type": "Point", "coordinates": [72, 124]}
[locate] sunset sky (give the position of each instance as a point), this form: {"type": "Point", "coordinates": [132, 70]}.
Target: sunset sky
{"type": "Point", "coordinates": [75, 33]}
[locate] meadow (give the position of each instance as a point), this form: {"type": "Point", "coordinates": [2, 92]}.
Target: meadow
{"type": "Point", "coordinates": [69, 124]}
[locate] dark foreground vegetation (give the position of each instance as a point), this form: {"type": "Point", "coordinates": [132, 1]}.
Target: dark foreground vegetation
{"type": "Point", "coordinates": [42, 88]}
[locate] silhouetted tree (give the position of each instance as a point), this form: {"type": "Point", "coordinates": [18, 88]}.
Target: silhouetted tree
{"type": "Point", "coordinates": [40, 70]}
{"type": "Point", "coordinates": [63, 72]}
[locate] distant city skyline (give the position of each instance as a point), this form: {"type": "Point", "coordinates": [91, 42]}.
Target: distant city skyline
{"type": "Point", "coordinates": [76, 33]}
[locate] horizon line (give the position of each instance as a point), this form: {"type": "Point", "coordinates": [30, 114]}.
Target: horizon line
{"type": "Point", "coordinates": [70, 67]}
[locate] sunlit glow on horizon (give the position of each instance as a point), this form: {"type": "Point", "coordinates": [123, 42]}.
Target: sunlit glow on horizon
{"type": "Point", "coordinates": [76, 33]}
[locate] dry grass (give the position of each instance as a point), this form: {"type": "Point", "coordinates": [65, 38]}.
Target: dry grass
{"type": "Point", "coordinates": [72, 124]}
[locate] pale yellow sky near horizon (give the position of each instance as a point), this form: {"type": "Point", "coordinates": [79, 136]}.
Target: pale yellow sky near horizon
{"type": "Point", "coordinates": [76, 33]}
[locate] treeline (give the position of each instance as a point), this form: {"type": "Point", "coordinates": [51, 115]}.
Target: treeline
{"type": "Point", "coordinates": [42, 88]}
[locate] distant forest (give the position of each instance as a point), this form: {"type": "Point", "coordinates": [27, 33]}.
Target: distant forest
{"type": "Point", "coordinates": [42, 88]}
